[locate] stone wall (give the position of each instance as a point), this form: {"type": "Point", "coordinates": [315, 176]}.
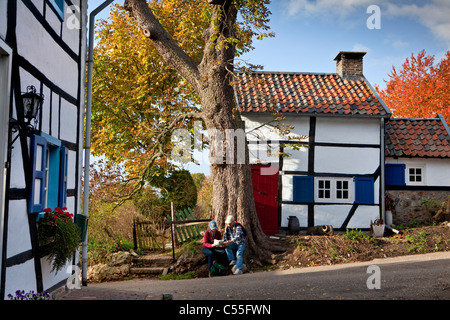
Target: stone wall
{"type": "Point", "coordinates": [410, 207]}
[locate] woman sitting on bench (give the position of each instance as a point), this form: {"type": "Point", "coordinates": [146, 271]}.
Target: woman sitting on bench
{"type": "Point", "coordinates": [213, 249]}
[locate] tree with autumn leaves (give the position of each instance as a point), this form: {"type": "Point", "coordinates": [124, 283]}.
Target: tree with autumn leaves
{"type": "Point", "coordinates": [185, 62]}
{"type": "Point", "coordinates": [420, 88]}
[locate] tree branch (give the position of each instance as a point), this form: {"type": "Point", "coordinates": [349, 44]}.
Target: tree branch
{"type": "Point", "coordinates": [163, 42]}
{"type": "Point", "coordinates": [158, 152]}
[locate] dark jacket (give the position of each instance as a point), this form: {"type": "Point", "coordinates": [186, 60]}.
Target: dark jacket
{"type": "Point", "coordinates": [208, 238]}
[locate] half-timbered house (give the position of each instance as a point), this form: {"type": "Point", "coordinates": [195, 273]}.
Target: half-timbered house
{"type": "Point", "coordinates": [335, 169]}
{"type": "Point", "coordinates": [42, 51]}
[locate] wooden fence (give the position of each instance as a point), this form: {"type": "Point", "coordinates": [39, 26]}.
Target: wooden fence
{"type": "Point", "coordinates": [183, 225]}
{"type": "Point", "coordinates": [184, 228]}
{"type": "Point", "coordinates": [145, 237]}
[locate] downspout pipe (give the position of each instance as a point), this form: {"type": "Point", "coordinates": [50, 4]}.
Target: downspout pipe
{"type": "Point", "coordinates": [382, 176]}
{"type": "Point", "coordinates": [87, 146]}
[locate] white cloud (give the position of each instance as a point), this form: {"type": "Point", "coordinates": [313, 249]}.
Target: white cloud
{"type": "Point", "coordinates": [341, 8]}
{"type": "Point", "coordinates": [435, 15]}
{"type": "Point", "coordinates": [360, 48]}
{"type": "Point", "coordinates": [395, 41]}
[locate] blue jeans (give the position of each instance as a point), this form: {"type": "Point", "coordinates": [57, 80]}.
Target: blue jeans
{"type": "Point", "coordinates": [239, 254]}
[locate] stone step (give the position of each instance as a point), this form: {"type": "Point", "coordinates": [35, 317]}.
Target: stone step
{"type": "Point", "coordinates": [149, 270]}
{"type": "Point", "coordinates": [152, 261]}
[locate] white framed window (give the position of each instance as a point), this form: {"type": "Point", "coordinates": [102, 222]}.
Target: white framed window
{"type": "Point", "coordinates": [324, 189]}
{"type": "Point", "coordinates": [415, 174]}
{"type": "Point", "coordinates": [342, 189]}
{"type": "Point", "coordinates": [336, 189]}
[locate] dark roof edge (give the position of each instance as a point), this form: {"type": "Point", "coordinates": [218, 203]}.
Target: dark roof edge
{"type": "Point", "coordinates": [444, 123]}
{"type": "Point", "coordinates": [388, 112]}
{"type": "Point", "coordinates": [417, 157]}
{"type": "Point", "coordinates": [413, 119]}
{"type": "Point", "coordinates": [288, 72]}
{"type": "Point", "coordinates": [317, 114]}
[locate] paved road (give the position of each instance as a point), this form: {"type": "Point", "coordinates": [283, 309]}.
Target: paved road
{"type": "Point", "coordinates": [424, 277]}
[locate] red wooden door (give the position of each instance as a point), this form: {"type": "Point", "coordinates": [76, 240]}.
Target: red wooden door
{"type": "Point", "coordinates": [265, 192]}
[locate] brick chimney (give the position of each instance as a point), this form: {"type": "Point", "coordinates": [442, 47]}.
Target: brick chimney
{"type": "Point", "coordinates": [349, 64]}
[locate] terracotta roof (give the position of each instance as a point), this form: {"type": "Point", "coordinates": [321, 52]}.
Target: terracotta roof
{"type": "Point", "coordinates": [428, 138]}
{"type": "Point", "coordinates": [307, 93]}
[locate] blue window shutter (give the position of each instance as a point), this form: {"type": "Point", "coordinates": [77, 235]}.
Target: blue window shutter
{"type": "Point", "coordinates": [63, 177]}
{"type": "Point", "coordinates": [58, 5]}
{"type": "Point", "coordinates": [364, 190]}
{"type": "Point", "coordinates": [395, 174]}
{"type": "Point", "coordinates": [38, 161]}
{"type": "Point", "coordinates": [303, 189]}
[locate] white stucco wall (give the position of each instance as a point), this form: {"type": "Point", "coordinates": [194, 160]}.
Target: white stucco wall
{"type": "Point", "coordinates": [5, 89]}
{"type": "Point", "coordinates": [336, 215]}
{"type": "Point", "coordinates": [51, 278]}
{"type": "Point", "coordinates": [20, 277]}
{"type": "Point", "coordinates": [17, 177]}
{"type": "Point", "coordinates": [267, 132]}
{"type": "Point", "coordinates": [346, 160]}
{"type": "Point", "coordinates": [68, 121]}
{"type": "Point", "coordinates": [333, 215]}
{"type": "Point", "coordinates": [3, 19]}
{"type": "Point", "coordinates": [19, 232]}
{"type": "Point", "coordinates": [348, 130]}
{"type": "Point", "coordinates": [49, 58]}
{"type": "Point", "coordinates": [297, 159]}
{"type": "Point", "coordinates": [299, 211]}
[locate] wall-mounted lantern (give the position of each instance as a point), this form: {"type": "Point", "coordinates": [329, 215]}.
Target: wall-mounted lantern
{"type": "Point", "coordinates": [32, 103]}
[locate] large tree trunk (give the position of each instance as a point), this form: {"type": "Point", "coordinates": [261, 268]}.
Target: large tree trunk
{"type": "Point", "coordinates": [212, 79]}
{"type": "Point", "coordinates": [232, 182]}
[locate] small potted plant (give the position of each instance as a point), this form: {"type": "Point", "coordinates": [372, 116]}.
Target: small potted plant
{"type": "Point", "coordinates": [377, 228]}
{"type": "Point", "coordinates": [58, 236]}
{"type": "Point", "coordinates": [390, 209]}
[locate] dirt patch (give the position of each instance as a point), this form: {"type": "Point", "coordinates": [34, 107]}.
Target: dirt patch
{"type": "Point", "coordinates": [354, 246]}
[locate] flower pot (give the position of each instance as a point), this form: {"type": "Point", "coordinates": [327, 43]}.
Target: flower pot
{"type": "Point", "coordinates": [378, 230]}
{"type": "Point", "coordinates": [389, 220]}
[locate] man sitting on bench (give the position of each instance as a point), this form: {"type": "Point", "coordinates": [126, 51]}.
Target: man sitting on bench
{"type": "Point", "coordinates": [234, 240]}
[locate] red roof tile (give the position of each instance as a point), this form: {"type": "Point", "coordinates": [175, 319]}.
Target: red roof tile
{"type": "Point", "coordinates": [417, 138]}
{"type": "Point", "coordinates": [306, 93]}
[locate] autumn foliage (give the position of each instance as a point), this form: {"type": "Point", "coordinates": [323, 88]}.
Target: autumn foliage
{"type": "Point", "coordinates": [135, 95]}
{"type": "Point", "coordinates": [420, 88]}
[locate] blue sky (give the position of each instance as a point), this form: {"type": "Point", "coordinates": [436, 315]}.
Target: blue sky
{"type": "Point", "coordinates": [309, 34]}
